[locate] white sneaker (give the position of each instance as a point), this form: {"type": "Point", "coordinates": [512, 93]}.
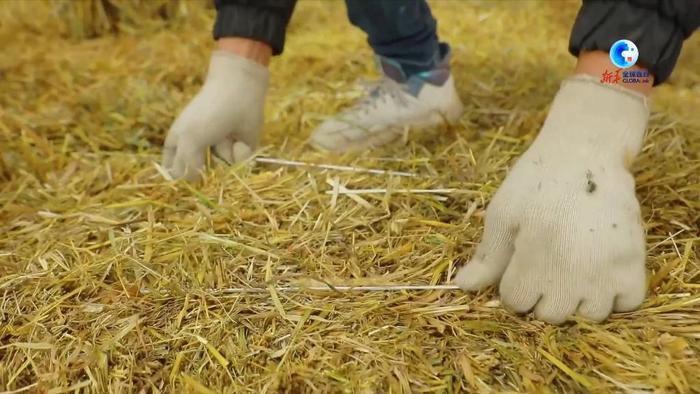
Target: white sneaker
{"type": "Point", "coordinates": [394, 104]}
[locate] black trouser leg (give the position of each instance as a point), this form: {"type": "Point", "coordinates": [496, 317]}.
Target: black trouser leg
{"type": "Point", "coordinates": [261, 20]}
{"type": "Point", "coordinates": [657, 27]}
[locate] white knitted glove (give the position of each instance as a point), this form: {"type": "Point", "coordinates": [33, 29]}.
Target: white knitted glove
{"type": "Point", "coordinates": [564, 232]}
{"type": "Point", "coordinates": [226, 114]}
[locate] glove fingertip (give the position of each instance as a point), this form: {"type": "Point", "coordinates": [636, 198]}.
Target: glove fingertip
{"type": "Point", "coordinates": [476, 275]}
{"type": "Point", "coordinates": [168, 158]}
{"type": "Point", "coordinates": [241, 151]}
{"type": "Point", "coordinates": [224, 150]}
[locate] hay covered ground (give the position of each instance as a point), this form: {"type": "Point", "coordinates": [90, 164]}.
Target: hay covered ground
{"type": "Point", "coordinates": [105, 266]}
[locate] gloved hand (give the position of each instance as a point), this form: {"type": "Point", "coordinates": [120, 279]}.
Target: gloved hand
{"type": "Point", "coordinates": [227, 114]}
{"type": "Point", "coordinates": [563, 234]}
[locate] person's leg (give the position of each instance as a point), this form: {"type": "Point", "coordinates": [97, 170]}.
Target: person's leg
{"type": "Point", "coordinates": [417, 90]}
{"type": "Point", "coordinates": [404, 31]}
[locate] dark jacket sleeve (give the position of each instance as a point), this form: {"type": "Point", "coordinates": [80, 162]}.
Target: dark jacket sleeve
{"type": "Point", "coordinates": [657, 27]}
{"type": "Point", "coordinates": [262, 20]}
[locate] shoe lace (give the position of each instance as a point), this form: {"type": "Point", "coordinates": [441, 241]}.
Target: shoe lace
{"type": "Point", "coordinates": [380, 92]}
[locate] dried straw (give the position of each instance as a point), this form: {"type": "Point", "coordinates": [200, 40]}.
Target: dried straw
{"type": "Point", "coordinates": [113, 278]}
{"type": "Point", "coordinates": [292, 163]}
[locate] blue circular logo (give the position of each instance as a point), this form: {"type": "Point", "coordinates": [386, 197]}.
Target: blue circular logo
{"type": "Point", "coordinates": [624, 54]}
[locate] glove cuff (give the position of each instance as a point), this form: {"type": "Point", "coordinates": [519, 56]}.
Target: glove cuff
{"type": "Point", "coordinates": [596, 119]}
{"type": "Point", "coordinates": [583, 79]}
{"type": "Point", "coordinates": [224, 64]}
